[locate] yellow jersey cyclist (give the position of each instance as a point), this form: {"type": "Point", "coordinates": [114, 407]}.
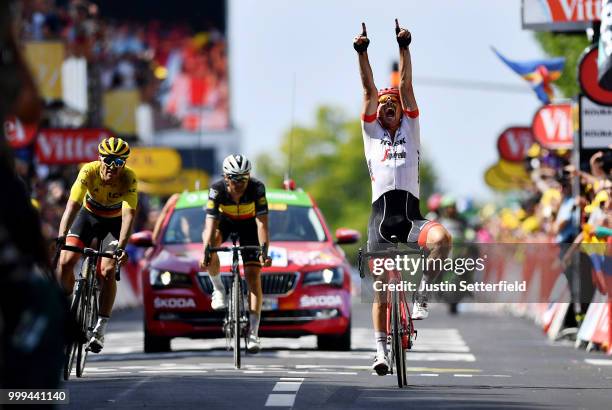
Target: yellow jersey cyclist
{"type": "Point", "coordinates": [237, 203]}
{"type": "Point", "coordinates": [103, 201]}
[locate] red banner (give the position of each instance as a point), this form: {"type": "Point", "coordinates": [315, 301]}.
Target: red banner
{"type": "Point", "coordinates": [69, 146]}
{"type": "Point", "coordinates": [18, 134]}
{"type": "Point", "coordinates": [514, 143]}
{"type": "Point", "coordinates": [552, 126]}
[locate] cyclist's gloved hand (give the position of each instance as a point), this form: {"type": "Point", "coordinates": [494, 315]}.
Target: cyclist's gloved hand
{"type": "Point", "coordinates": [361, 42]}
{"type": "Point", "coordinates": [205, 258]}
{"type": "Point", "coordinates": [403, 36]}
{"type": "Point", "coordinates": [121, 255]}
{"type": "Point", "coordinates": [263, 257]}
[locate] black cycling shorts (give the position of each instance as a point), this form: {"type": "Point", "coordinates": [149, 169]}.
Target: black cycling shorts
{"type": "Point", "coordinates": [87, 226]}
{"type": "Point", "coordinates": [247, 236]}
{"type": "Point", "coordinates": [397, 213]}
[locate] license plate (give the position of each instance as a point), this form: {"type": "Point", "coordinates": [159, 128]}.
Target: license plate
{"type": "Point", "coordinates": [269, 304]}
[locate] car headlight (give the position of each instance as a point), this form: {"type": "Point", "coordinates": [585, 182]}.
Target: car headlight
{"type": "Point", "coordinates": [327, 276]}
{"type": "Point", "coordinates": [163, 279]}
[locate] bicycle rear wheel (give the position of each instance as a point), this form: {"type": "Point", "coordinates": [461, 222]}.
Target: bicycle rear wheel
{"type": "Point", "coordinates": [76, 315]}
{"type": "Point", "coordinates": [236, 298]}
{"type": "Point", "coordinates": [399, 354]}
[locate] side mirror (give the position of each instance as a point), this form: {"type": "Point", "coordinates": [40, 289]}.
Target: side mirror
{"type": "Point", "coordinates": [143, 239]}
{"type": "Point", "coordinates": [345, 236]}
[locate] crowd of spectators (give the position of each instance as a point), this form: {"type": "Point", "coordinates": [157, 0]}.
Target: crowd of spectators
{"type": "Point", "coordinates": [180, 71]}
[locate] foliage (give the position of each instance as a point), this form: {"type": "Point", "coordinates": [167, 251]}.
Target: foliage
{"type": "Point", "coordinates": [571, 46]}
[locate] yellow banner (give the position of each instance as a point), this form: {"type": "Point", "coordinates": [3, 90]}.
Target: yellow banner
{"type": "Point", "coordinates": [120, 110]}
{"type": "Point", "coordinates": [155, 163]}
{"type": "Point", "coordinates": [187, 180]}
{"type": "Point", "coordinates": [45, 59]}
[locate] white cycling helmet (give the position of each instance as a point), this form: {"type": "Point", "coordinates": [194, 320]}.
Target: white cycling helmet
{"type": "Point", "coordinates": [236, 164]}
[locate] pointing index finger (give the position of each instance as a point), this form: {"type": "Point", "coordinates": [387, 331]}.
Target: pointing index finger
{"type": "Point", "coordinates": [363, 30]}
{"type": "Point", "coordinates": [397, 27]}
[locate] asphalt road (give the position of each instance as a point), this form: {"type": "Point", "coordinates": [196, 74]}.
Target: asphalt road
{"type": "Point", "coordinates": [478, 359]}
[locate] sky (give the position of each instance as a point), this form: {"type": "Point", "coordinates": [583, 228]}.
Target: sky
{"type": "Point", "coordinates": [274, 41]}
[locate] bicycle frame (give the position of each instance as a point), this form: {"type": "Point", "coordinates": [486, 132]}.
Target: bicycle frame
{"type": "Point", "coordinates": [236, 322]}
{"type": "Point", "coordinates": [84, 306]}
{"type": "Point", "coordinates": [400, 326]}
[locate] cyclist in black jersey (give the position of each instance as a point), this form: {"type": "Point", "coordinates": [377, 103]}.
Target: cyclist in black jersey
{"type": "Point", "coordinates": [237, 203]}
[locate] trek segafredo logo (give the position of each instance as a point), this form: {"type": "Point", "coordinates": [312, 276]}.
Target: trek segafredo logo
{"type": "Point", "coordinates": [179, 303]}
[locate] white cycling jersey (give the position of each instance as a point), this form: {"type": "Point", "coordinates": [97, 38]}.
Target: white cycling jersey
{"type": "Point", "coordinates": [393, 164]}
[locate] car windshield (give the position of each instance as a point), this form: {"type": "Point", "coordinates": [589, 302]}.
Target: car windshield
{"type": "Point", "coordinates": [286, 222]}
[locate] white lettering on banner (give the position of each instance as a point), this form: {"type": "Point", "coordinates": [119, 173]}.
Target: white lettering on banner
{"type": "Point", "coordinates": [557, 125]}
{"type": "Point", "coordinates": [595, 124]}
{"type": "Point", "coordinates": [179, 303]}
{"type": "Point", "coordinates": [68, 146]}
{"type": "Point", "coordinates": [322, 300]}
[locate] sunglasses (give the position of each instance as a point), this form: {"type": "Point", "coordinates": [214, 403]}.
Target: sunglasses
{"type": "Point", "coordinates": [238, 178]}
{"type": "Point", "coordinates": [113, 161]}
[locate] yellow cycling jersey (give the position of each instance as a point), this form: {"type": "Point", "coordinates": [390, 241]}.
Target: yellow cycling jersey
{"type": "Point", "coordinates": [105, 199]}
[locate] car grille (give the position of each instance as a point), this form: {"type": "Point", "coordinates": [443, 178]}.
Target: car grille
{"type": "Point", "coordinates": [271, 283]}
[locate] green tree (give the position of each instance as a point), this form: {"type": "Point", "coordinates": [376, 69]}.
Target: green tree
{"type": "Point", "coordinates": [570, 46]}
{"type": "Point", "coordinates": [327, 161]}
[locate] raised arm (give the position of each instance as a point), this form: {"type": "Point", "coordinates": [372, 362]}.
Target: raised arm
{"type": "Point", "coordinates": [370, 92]}
{"type": "Point", "coordinates": [405, 66]}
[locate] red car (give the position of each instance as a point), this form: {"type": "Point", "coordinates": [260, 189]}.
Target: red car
{"type": "Point", "coordinates": [307, 290]}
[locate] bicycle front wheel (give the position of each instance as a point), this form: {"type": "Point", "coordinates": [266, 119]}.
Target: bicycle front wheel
{"type": "Point", "coordinates": [76, 317]}
{"type": "Point", "coordinates": [399, 353]}
{"type": "Point", "coordinates": [235, 300]}
{"type": "Point", "coordinates": [91, 317]}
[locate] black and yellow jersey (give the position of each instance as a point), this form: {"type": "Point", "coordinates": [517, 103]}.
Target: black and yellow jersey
{"type": "Point", "coordinates": [104, 199]}
{"type": "Point", "coordinates": [252, 203]}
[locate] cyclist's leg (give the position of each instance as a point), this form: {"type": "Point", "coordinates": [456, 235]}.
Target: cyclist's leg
{"type": "Point", "coordinates": [436, 241]}
{"type": "Point", "coordinates": [252, 272]}
{"type": "Point", "coordinates": [214, 267]}
{"type": "Point", "coordinates": [103, 228]}
{"type": "Point", "coordinates": [376, 241]}
{"type": "Point", "coordinates": [80, 235]}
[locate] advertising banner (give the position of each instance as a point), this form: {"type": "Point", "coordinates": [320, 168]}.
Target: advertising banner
{"type": "Point", "coordinates": [595, 124]}
{"type": "Point", "coordinates": [514, 142]}
{"type": "Point", "coordinates": [560, 15]}
{"type": "Point", "coordinates": [587, 78]}
{"type": "Point", "coordinates": [120, 110]}
{"type": "Point", "coordinates": [69, 146]}
{"type": "Point", "coordinates": [604, 59]}
{"type": "Point", "coordinates": [18, 134]}
{"type": "Point", "coordinates": [45, 59]}
{"type": "Point", "coordinates": [552, 126]}
{"type": "Point", "coordinates": [154, 164]}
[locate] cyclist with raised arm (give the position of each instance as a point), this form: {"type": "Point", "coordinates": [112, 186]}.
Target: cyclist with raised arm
{"type": "Point", "coordinates": [391, 137]}
{"type": "Point", "coordinates": [237, 203]}
{"type": "Point", "coordinates": [103, 201]}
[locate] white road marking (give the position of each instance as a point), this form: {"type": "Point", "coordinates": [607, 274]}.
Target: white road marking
{"type": "Point", "coordinates": [462, 375]}
{"type": "Point", "coordinates": [283, 399]}
{"type": "Point", "coordinates": [280, 400]}
{"type": "Point", "coordinates": [599, 362]}
{"type": "Point", "coordinates": [287, 386]}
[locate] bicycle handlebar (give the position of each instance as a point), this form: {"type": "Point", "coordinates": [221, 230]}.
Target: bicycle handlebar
{"type": "Point", "coordinates": [232, 248]}
{"type": "Point", "coordinates": [93, 252]}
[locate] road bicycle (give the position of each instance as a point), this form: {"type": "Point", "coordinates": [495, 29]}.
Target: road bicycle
{"type": "Point", "coordinates": [84, 307]}
{"type": "Point", "coordinates": [400, 326]}
{"type": "Point", "coordinates": [236, 321]}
